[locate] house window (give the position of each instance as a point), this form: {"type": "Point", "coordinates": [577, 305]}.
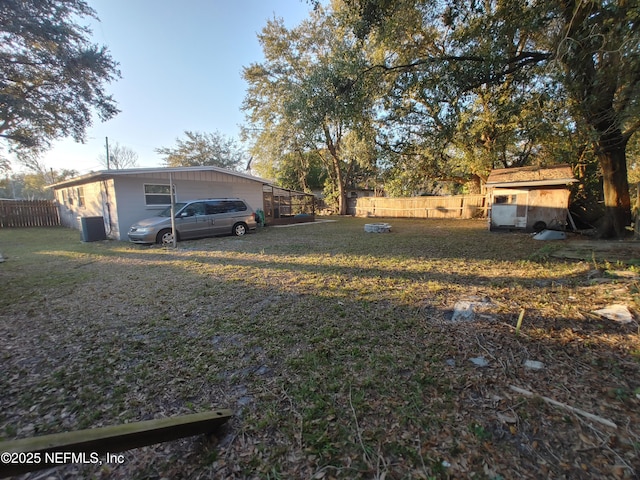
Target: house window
{"type": "Point", "coordinates": [505, 199]}
{"type": "Point", "coordinates": [158, 194]}
{"type": "Point", "coordinates": [80, 195]}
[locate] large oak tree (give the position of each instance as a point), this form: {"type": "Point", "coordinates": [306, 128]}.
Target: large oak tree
{"type": "Point", "coordinates": [590, 49]}
{"type": "Point", "coordinates": [52, 78]}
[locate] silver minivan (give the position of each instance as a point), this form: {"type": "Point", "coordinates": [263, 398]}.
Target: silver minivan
{"type": "Point", "coordinates": [196, 219]}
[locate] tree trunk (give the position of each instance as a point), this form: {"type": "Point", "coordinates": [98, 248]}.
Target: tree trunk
{"type": "Point", "coordinates": [602, 82]}
{"type": "Point", "coordinates": [613, 163]}
{"type": "Point", "coordinates": [302, 172]}
{"type": "Point", "coordinates": [339, 177]}
{"type": "Point", "coordinates": [475, 184]}
{"type": "Point", "coordinates": [342, 196]}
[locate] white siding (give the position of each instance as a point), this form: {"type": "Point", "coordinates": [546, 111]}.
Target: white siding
{"type": "Point", "coordinates": [92, 204]}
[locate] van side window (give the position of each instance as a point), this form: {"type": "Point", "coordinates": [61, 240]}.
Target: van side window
{"type": "Point", "coordinates": [225, 206]}
{"type": "Point", "coordinates": [234, 206]}
{"type": "Point", "coordinates": [194, 209]}
{"type": "Point", "coordinates": [214, 207]}
{"type": "Point", "coordinates": [199, 208]}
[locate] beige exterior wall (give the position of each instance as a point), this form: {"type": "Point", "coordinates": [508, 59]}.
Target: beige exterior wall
{"type": "Point", "coordinates": [549, 206]}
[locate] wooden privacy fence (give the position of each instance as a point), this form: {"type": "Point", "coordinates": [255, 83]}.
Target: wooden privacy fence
{"type": "Point", "coordinates": [28, 213]}
{"type": "Point", "coordinates": [459, 206]}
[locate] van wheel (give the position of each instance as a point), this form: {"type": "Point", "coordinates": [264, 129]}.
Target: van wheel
{"type": "Point", "coordinates": [239, 229]}
{"type": "Point", "coordinates": [165, 237]}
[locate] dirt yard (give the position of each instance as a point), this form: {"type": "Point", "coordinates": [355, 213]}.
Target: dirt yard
{"type": "Point", "coordinates": [438, 350]}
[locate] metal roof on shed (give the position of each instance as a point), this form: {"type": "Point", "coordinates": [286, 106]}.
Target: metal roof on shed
{"type": "Point", "coordinates": [531, 176]}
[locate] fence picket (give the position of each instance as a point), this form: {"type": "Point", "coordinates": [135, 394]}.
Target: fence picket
{"type": "Point", "coordinates": [459, 206]}
{"type": "Point", "coordinates": [28, 213]}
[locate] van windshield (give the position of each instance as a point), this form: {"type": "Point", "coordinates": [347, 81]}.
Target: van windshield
{"type": "Point", "coordinates": [167, 211]}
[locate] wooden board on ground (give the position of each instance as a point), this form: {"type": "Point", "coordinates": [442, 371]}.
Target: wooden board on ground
{"type": "Point", "coordinates": [97, 441]}
{"type": "Point", "coordinates": [627, 252]}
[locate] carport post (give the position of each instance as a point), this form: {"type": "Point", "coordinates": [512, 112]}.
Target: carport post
{"type": "Point", "coordinates": [173, 212]}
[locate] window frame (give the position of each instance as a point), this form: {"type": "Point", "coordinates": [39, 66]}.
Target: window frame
{"type": "Point", "coordinates": [80, 196]}
{"type": "Point", "coordinates": [147, 195]}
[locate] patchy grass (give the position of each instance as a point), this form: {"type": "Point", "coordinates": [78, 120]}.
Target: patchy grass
{"type": "Point", "coordinates": [332, 347]}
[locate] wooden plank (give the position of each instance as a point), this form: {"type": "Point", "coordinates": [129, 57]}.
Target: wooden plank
{"type": "Point", "coordinates": [99, 441]}
{"type": "Point", "coordinates": [579, 411]}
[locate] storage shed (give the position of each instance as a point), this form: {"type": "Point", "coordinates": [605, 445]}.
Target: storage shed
{"type": "Point", "coordinates": [529, 198]}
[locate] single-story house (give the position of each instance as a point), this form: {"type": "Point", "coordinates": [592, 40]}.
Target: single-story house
{"type": "Point", "coordinates": [529, 198]}
{"type": "Point", "coordinates": [122, 197]}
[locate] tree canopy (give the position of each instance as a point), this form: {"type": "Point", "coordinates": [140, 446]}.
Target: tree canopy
{"type": "Point", "coordinates": [201, 149]}
{"type": "Point", "coordinates": [34, 184]}
{"type": "Point", "coordinates": [306, 97]}
{"type": "Point", "coordinates": [455, 89]}
{"type": "Point", "coordinates": [52, 78]}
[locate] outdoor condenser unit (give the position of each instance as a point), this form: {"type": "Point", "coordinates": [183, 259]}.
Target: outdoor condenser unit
{"type": "Point", "coordinates": [92, 229]}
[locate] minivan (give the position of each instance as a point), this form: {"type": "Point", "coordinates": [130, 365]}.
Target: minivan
{"type": "Point", "coordinates": [196, 219]}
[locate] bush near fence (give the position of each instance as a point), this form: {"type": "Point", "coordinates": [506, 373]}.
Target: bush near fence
{"type": "Point", "coordinates": [28, 213]}
{"type": "Point", "coordinates": [459, 206]}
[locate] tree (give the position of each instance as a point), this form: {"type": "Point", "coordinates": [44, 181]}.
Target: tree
{"type": "Point", "coordinates": [199, 149]}
{"type": "Point", "coordinates": [598, 48]}
{"type": "Point", "coordinates": [32, 185]}
{"type": "Point", "coordinates": [52, 78]}
{"type": "Point", "coordinates": [119, 157]}
{"type": "Point", "coordinates": [590, 49]}
{"type": "Point", "coordinates": [301, 171]}
{"type": "Point", "coordinates": [305, 98]}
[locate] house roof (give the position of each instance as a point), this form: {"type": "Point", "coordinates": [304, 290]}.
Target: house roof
{"type": "Point", "coordinates": [107, 174]}
{"type": "Point", "coordinates": [531, 176]}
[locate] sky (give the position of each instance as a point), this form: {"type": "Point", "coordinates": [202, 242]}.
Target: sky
{"type": "Point", "coordinates": [181, 64]}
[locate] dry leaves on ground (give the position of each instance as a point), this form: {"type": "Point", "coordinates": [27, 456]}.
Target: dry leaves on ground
{"type": "Point", "coordinates": [335, 349]}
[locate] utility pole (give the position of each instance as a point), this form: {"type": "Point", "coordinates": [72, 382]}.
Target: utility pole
{"type": "Point", "coordinates": [107, 145]}
{"type": "Point", "coordinates": [174, 234]}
